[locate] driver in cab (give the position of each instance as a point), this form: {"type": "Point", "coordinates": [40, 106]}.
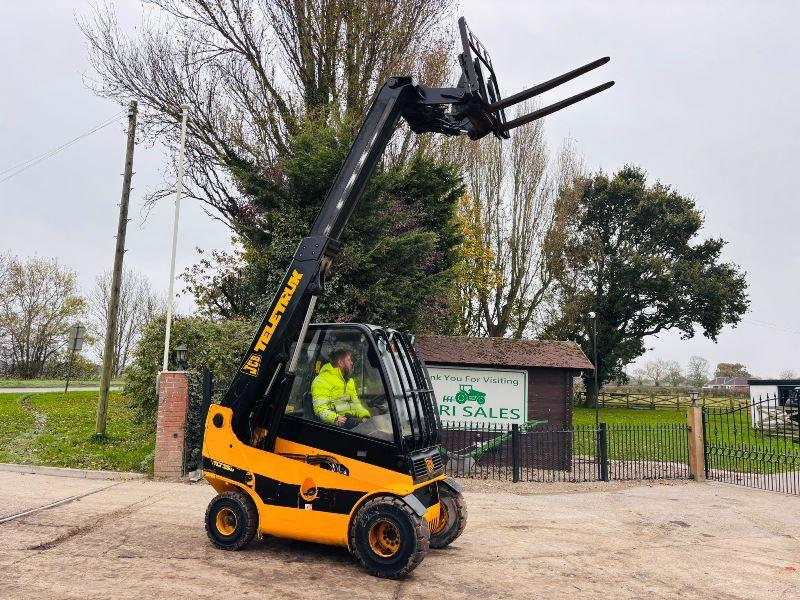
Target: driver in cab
{"type": "Point", "coordinates": [333, 392]}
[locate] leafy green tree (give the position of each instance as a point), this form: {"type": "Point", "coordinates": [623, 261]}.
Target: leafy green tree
{"type": "Point", "coordinates": [631, 256]}
{"type": "Point", "coordinates": [731, 370]}
{"type": "Point", "coordinates": [277, 90]}
{"type": "Point", "coordinates": [214, 345]}
{"type": "Point", "coordinates": [396, 263]}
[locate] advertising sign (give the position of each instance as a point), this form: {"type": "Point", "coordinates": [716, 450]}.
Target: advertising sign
{"type": "Point", "coordinates": [468, 395]}
{"type": "Point", "coordinates": [75, 337]}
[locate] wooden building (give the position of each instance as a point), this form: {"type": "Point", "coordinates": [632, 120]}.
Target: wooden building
{"type": "Point", "coordinates": [550, 365]}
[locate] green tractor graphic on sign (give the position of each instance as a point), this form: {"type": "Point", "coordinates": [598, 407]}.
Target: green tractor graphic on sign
{"type": "Point", "coordinates": [466, 392]}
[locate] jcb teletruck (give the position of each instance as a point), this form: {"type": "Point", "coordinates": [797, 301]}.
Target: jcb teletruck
{"type": "Point", "coordinates": [376, 484]}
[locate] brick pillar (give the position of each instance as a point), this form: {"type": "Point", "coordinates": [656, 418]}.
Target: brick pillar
{"type": "Point", "coordinates": [173, 402]}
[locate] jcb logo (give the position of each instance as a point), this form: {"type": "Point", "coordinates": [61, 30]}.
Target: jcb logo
{"type": "Point", "coordinates": [252, 365]}
{"type": "Point", "coordinates": [429, 465]}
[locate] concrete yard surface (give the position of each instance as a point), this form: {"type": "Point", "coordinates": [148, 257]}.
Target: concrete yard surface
{"type": "Point", "coordinates": [145, 539]}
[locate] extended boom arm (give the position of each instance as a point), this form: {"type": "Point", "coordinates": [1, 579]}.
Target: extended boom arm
{"type": "Point", "coordinates": [259, 390]}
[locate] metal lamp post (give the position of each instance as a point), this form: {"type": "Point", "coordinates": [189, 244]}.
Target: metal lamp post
{"type": "Point", "coordinates": [181, 357]}
{"type": "Point", "coordinates": [593, 318]}
{"type": "Point", "coordinates": [178, 191]}
{"type": "Point", "coordinates": [693, 394]}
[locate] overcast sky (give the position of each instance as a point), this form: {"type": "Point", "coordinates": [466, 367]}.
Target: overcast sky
{"type": "Point", "coordinates": [705, 101]}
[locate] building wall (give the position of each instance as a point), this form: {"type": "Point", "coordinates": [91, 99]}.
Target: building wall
{"type": "Point", "coordinates": [762, 392]}
{"type": "Point", "coordinates": [550, 396]}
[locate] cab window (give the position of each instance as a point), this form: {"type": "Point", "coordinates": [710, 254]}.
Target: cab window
{"type": "Point", "coordinates": [338, 383]}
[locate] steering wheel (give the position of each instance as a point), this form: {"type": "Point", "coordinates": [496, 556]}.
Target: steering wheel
{"type": "Point", "coordinates": [379, 402]}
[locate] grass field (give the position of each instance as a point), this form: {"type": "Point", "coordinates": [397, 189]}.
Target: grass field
{"type": "Point", "coordinates": [625, 416]}
{"type": "Point", "coordinates": [54, 383]}
{"type": "Point", "coordinates": [654, 435]}
{"type": "Point", "coordinates": [640, 435]}
{"type": "Point", "coordinates": [57, 429]}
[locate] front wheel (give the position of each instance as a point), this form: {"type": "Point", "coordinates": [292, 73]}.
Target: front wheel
{"type": "Point", "coordinates": [231, 520]}
{"type": "Point", "coordinates": [452, 518]}
{"type": "Point", "coordinates": [388, 538]}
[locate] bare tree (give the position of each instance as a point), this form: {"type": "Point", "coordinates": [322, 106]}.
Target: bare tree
{"type": "Point", "coordinates": [138, 304]}
{"type": "Point", "coordinates": [787, 374]}
{"type": "Point", "coordinates": [5, 268]}
{"type": "Point", "coordinates": [38, 302]}
{"type": "Point", "coordinates": [253, 70]}
{"type": "Point", "coordinates": [656, 370]}
{"type": "Point", "coordinates": [673, 373]}
{"type": "Point", "coordinates": [697, 370]}
{"type": "Point", "coordinates": [512, 218]}
{"type": "Point", "coordinates": [639, 374]}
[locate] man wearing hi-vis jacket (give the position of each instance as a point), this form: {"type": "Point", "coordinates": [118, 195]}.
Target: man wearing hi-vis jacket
{"type": "Point", "coordinates": [333, 391]}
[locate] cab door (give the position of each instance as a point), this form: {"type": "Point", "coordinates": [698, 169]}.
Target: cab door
{"type": "Point", "coordinates": [318, 383]}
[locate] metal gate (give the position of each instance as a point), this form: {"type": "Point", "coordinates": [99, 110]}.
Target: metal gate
{"type": "Point", "coordinates": [755, 444]}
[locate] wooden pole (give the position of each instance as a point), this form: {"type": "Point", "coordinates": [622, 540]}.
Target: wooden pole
{"type": "Point", "coordinates": [116, 275]}
{"type": "Point", "coordinates": [694, 419]}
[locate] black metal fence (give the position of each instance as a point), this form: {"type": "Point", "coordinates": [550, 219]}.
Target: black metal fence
{"type": "Point", "coordinates": [755, 445]}
{"type": "Point", "coordinates": [581, 453]}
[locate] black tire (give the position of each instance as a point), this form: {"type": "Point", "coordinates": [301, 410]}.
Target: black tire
{"type": "Point", "coordinates": [231, 520]}
{"type": "Point", "coordinates": [454, 512]}
{"type": "Point", "coordinates": [388, 538]}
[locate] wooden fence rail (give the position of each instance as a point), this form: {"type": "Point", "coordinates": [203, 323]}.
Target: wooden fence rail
{"type": "Point", "coordinates": [654, 401]}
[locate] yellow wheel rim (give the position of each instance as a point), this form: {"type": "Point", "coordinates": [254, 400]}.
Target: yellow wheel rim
{"type": "Point", "coordinates": [441, 523]}
{"type": "Point", "coordinates": [226, 521]}
{"type": "Point", "coordinates": [384, 539]}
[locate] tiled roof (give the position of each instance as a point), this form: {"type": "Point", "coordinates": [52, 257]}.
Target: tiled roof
{"type": "Point", "coordinates": [728, 381]}
{"type": "Point", "coordinates": [445, 349]}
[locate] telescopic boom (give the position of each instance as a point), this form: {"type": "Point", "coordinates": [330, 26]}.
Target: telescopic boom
{"type": "Point", "coordinates": [259, 391]}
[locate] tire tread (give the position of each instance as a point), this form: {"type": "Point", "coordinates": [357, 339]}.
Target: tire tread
{"type": "Point", "coordinates": [439, 542]}
{"type": "Point", "coordinates": [251, 524]}
{"type": "Point", "coordinates": [422, 537]}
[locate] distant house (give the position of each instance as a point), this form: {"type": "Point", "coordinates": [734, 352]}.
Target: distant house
{"type": "Point", "coordinates": [773, 400]}
{"type": "Point", "coordinates": [778, 391]}
{"type": "Point", "coordinates": [738, 384]}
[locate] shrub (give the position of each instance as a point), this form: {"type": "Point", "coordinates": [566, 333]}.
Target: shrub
{"type": "Point", "coordinates": [216, 345]}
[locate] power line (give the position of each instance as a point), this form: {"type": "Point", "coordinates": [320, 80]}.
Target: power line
{"type": "Point", "coordinates": [15, 170]}
{"type": "Point", "coordinates": [767, 324]}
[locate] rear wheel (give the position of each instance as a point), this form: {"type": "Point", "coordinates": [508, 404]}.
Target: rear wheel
{"type": "Point", "coordinates": [452, 518]}
{"type": "Point", "coordinates": [231, 520]}
{"type": "Point", "coordinates": [388, 538]}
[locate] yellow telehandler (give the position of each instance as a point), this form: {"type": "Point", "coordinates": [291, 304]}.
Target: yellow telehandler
{"type": "Point", "coordinates": [330, 433]}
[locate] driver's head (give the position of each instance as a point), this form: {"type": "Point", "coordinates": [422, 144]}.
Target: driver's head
{"type": "Point", "coordinates": [341, 358]}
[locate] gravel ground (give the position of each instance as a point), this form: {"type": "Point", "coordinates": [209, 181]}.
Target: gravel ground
{"type": "Point", "coordinates": [145, 539]}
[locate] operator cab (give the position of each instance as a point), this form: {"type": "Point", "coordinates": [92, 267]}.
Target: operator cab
{"type": "Point", "coordinates": [389, 405]}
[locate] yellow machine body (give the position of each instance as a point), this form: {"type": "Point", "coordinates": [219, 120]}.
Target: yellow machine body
{"type": "Point", "coordinates": [286, 488]}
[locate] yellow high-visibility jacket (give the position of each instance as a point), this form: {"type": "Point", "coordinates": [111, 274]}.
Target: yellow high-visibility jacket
{"type": "Point", "coordinates": [333, 397]}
